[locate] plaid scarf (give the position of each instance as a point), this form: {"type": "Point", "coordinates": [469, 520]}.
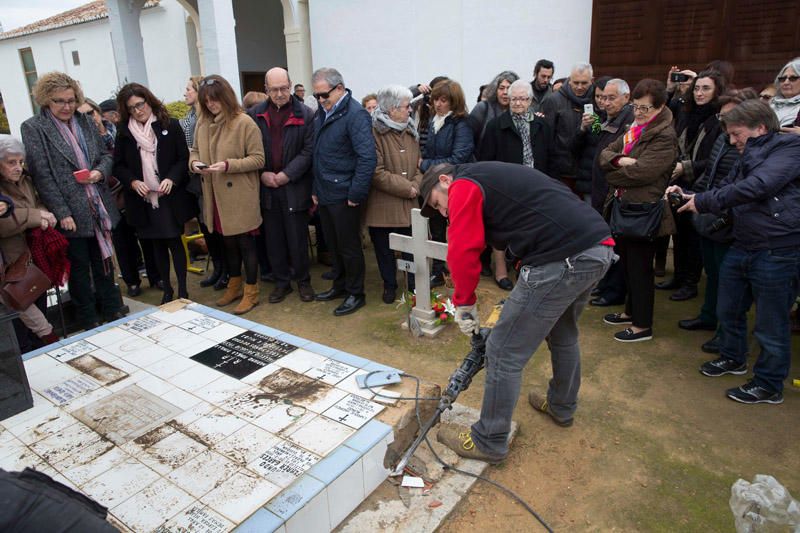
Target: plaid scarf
{"type": "Point", "coordinates": [522, 123]}
{"type": "Point", "coordinates": [74, 137]}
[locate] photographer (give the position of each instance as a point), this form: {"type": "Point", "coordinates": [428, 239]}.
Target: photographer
{"type": "Point", "coordinates": [761, 266]}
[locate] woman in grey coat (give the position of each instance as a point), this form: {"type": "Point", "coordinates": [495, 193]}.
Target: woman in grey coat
{"type": "Point", "coordinates": [69, 165]}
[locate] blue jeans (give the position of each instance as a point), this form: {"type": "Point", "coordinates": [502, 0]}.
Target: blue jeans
{"type": "Point", "coordinates": [770, 279]}
{"type": "Point", "coordinates": [545, 304]}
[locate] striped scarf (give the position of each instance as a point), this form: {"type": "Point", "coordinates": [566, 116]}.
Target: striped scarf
{"type": "Point", "coordinates": [74, 137]}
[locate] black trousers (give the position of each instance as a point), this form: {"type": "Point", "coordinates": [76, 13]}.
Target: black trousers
{"type": "Point", "coordinates": [87, 266]}
{"type": "Point", "coordinates": [637, 258]}
{"type": "Point", "coordinates": [342, 227]}
{"type": "Point", "coordinates": [613, 287]}
{"type": "Point", "coordinates": [216, 248]}
{"type": "Point", "coordinates": [688, 255]}
{"type": "Point", "coordinates": [241, 249]}
{"type": "Point", "coordinates": [286, 237]}
{"type": "Point", "coordinates": [162, 249]}
{"type": "Point", "coordinates": [385, 255]}
{"type": "Point", "coordinates": [126, 247]}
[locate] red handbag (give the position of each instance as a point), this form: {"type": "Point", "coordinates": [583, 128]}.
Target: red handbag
{"type": "Point", "coordinates": [21, 282]}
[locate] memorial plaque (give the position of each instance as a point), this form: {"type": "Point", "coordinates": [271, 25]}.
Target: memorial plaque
{"type": "Point", "coordinates": [127, 414]}
{"type": "Point", "coordinates": [144, 325]}
{"type": "Point", "coordinates": [98, 369]}
{"type": "Point", "coordinates": [70, 389]}
{"type": "Point", "coordinates": [76, 349]}
{"type": "Point", "coordinates": [353, 411]}
{"type": "Point", "coordinates": [200, 324]}
{"type": "Point", "coordinates": [331, 371]}
{"type": "Point", "coordinates": [196, 519]}
{"type": "Point", "coordinates": [283, 463]}
{"type": "Point", "coordinates": [243, 354]}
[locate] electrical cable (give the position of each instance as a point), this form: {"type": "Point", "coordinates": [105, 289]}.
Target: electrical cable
{"type": "Point", "coordinates": [417, 398]}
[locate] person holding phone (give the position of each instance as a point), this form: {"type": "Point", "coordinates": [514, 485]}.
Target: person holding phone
{"type": "Point", "coordinates": [59, 142]}
{"type": "Point", "coordinates": [151, 159]}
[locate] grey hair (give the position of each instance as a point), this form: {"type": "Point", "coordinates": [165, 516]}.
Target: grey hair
{"type": "Point", "coordinates": [795, 66]}
{"type": "Point", "coordinates": [621, 85]}
{"type": "Point", "coordinates": [331, 76]}
{"type": "Point", "coordinates": [582, 67]}
{"type": "Point", "coordinates": [10, 145]}
{"type": "Point", "coordinates": [391, 96]}
{"type": "Point", "coordinates": [522, 83]}
{"type": "Point", "coordinates": [507, 75]}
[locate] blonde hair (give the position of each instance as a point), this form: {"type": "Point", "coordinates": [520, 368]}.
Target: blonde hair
{"type": "Point", "coordinates": [52, 82]}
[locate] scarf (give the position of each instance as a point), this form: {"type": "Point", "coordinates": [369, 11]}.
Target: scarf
{"type": "Point", "coordinates": [48, 249]}
{"type": "Point", "coordinates": [73, 136]}
{"type": "Point", "coordinates": [577, 101]}
{"type": "Point", "coordinates": [109, 136]}
{"type": "Point", "coordinates": [633, 135]}
{"type": "Point", "coordinates": [147, 142]}
{"type": "Point", "coordinates": [786, 108]}
{"type": "Point", "coordinates": [383, 118]}
{"type": "Point", "coordinates": [188, 123]}
{"type": "Point", "coordinates": [438, 121]}
{"type": "Point", "coordinates": [523, 127]}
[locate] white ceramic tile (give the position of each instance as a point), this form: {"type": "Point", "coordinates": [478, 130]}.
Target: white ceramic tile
{"type": "Point", "coordinates": [200, 344]}
{"type": "Point", "coordinates": [330, 371]}
{"type": "Point", "coordinates": [171, 452]}
{"type": "Point", "coordinates": [283, 463]}
{"type": "Point", "coordinates": [120, 483]}
{"type": "Point", "coordinates": [387, 397]}
{"type": "Point", "coordinates": [313, 516]}
{"type": "Point", "coordinates": [354, 411]}
{"type": "Point", "coordinates": [152, 506]}
{"type": "Point", "coordinates": [223, 332]}
{"type": "Point", "coordinates": [196, 411]}
{"type": "Point", "coordinates": [93, 461]}
{"type": "Point", "coordinates": [68, 390]}
{"type": "Point", "coordinates": [345, 493]}
{"type": "Point", "coordinates": [180, 398]}
{"type": "Point", "coordinates": [5, 437]}
{"type": "Point", "coordinates": [215, 426]}
{"type": "Point", "coordinates": [256, 377]}
{"type": "Point", "coordinates": [172, 337]}
{"type": "Point", "coordinates": [350, 385]}
{"type": "Point", "coordinates": [64, 443]}
{"type": "Point", "coordinates": [249, 404]}
{"type": "Point", "coordinates": [201, 474]}
{"type": "Point", "coordinates": [41, 407]}
{"type": "Point", "coordinates": [21, 459]}
{"type": "Point", "coordinates": [107, 357]}
{"type": "Point", "coordinates": [240, 496]}
{"type": "Point", "coordinates": [283, 418]}
{"type": "Point", "coordinates": [42, 427]}
{"type": "Point", "coordinates": [198, 518]}
{"type": "Point", "coordinates": [136, 447]}
{"type": "Point", "coordinates": [12, 446]}
{"type": "Point", "coordinates": [110, 336]}
{"type": "Point", "coordinates": [52, 376]}
{"type": "Point", "coordinates": [170, 366]}
{"type": "Point", "coordinates": [142, 355]}
{"type": "Point", "coordinates": [220, 390]}
{"type": "Point", "coordinates": [39, 363]}
{"type": "Point", "coordinates": [195, 378]}
{"type": "Point", "coordinates": [320, 435]}
{"type": "Point", "coordinates": [86, 399]}
{"type": "Point", "coordinates": [133, 378]}
{"type": "Point", "coordinates": [301, 361]}
{"type": "Point", "coordinates": [374, 471]}
{"type": "Point", "coordinates": [155, 385]}
{"type": "Point", "coordinates": [177, 317]}
{"type": "Point", "coordinates": [75, 349]}
{"type": "Point", "coordinates": [324, 401]}
{"type": "Point", "coordinates": [246, 444]}
{"type": "Point", "coordinates": [144, 325]}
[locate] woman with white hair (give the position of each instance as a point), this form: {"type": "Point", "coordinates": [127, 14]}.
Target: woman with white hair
{"type": "Point", "coordinates": [395, 184]}
{"type": "Point", "coordinates": [28, 213]}
{"type": "Point", "coordinates": [786, 102]}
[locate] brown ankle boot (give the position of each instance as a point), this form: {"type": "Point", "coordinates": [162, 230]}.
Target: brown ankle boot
{"type": "Point", "coordinates": [249, 300]}
{"type": "Point", "coordinates": [233, 292]}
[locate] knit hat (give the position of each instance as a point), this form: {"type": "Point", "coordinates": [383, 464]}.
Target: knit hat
{"type": "Point", "coordinates": [108, 105]}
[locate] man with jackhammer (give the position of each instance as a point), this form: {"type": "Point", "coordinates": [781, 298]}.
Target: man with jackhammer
{"type": "Point", "coordinates": [561, 248]}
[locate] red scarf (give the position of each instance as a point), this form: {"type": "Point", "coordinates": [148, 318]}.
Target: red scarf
{"type": "Point", "coordinates": [633, 135]}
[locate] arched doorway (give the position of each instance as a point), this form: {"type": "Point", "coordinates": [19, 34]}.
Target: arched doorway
{"type": "Point", "coordinates": [260, 41]}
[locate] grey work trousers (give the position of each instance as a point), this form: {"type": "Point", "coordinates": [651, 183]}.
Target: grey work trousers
{"type": "Point", "coordinates": [545, 304]}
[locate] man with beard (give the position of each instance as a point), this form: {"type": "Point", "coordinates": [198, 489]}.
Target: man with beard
{"type": "Point", "coordinates": [542, 74]}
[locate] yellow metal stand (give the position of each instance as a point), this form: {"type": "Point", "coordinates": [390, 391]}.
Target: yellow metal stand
{"type": "Point", "coordinates": [186, 239]}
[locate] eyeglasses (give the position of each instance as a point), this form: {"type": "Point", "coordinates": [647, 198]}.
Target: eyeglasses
{"type": "Point", "coordinates": [138, 106]}
{"type": "Point", "coordinates": [207, 81]}
{"type": "Point", "coordinates": [604, 98]}
{"type": "Point", "coordinates": [325, 95]}
{"type": "Point", "coordinates": [277, 90]}
{"type": "Point", "coordinates": [642, 108]}
{"type": "Point", "coordinates": [703, 88]}
{"type": "Point", "coordinates": [519, 100]}
{"type": "Point", "coordinates": [791, 79]}
{"type": "Point", "coordinates": [61, 103]}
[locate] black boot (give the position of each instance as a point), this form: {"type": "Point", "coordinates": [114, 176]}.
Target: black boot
{"type": "Point", "coordinates": [213, 278]}
{"type": "Point", "coordinates": [222, 282]}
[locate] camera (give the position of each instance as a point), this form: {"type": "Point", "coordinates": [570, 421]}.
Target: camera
{"type": "Point", "coordinates": [679, 77]}
{"type": "Point", "coordinates": [675, 199]}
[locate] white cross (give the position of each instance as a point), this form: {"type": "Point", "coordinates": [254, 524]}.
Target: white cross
{"type": "Point", "coordinates": [423, 251]}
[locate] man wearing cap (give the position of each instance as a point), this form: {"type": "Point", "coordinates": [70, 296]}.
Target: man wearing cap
{"type": "Point", "coordinates": [109, 110]}
{"type": "Point", "coordinates": [561, 247]}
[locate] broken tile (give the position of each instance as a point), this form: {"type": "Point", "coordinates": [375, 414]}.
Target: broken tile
{"type": "Point", "coordinates": [203, 473]}
{"type": "Point", "coordinates": [240, 496]}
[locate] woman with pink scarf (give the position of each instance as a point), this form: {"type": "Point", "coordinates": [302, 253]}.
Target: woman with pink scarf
{"type": "Point", "coordinates": [151, 160]}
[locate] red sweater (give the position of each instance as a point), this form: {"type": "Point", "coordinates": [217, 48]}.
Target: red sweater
{"type": "Point", "coordinates": [465, 239]}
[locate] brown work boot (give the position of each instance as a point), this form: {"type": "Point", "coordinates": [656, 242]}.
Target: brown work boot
{"type": "Point", "coordinates": [540, 404]}
{"type": "Point", "coordinates": [249, 300]}
{"type": "Point", "coordinates": [459, 439]}
{"type": "Point", "coordinates": [233, 292]}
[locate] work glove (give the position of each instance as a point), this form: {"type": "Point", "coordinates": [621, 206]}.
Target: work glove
{"type": "Point", "coordinates": [467, 319]}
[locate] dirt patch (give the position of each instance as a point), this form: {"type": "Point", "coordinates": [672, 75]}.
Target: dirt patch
{"type": "Point", "coordinates": [101, 371]}
{"type": "Point", "coordinates": [189, 433]}
{"type": "Point", "coordinates": [288, 386]}
{"type": "Point", "coordinates": [153, 436]}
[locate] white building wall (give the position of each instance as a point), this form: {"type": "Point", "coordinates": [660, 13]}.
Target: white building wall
{"type": "Point", "coordinates": [377, 42]}
{"type": "Point", "coordinates": [163, 31]}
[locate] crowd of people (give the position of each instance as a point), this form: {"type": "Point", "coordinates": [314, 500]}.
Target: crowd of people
{"type": "Point", "coordinates": [123, 178]}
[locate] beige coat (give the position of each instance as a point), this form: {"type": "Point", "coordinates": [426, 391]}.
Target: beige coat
{"type": "Point", "coordinates": [235, 192]}
{"type": "Point", "coordinates": [27, 215]}
{"type": "Point", "coordinates": [388, 204]}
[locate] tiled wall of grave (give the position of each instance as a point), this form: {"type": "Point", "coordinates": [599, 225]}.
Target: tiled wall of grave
{"type": "Point", "coordinates": [196, 418]}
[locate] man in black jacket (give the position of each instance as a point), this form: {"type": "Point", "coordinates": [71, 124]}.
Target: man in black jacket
{"type": "Point", "coordinates": [762, 193]}
{"type": "Point", "coordinates": [287, 130]}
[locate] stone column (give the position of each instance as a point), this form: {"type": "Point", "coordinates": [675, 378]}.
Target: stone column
{"type": "Point", "coordinates": [298, 41]}
{"type": "Point", "coordinates": [126, 40]}
{"type": "Point", "coordinates": [218, 33]}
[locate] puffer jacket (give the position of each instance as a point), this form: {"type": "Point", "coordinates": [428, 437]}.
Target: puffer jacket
{"type": "Point", "coordinates": [720, 161]}
{"type": "Point", "coordinates": [763, 192]}
{"type": "Point", "coordinates": [344, 154]}
{"type": "Point", "coordinates": [452, 144]}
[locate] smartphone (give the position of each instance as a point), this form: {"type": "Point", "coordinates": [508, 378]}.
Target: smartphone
{"type": "Point", "coordinates": [679, 77]}
{"type": "Point", "coordinates": [200, 165]}
{"type": "Point", "coordinates": [588, 109]}
{"type": "Point", "coordinates": [82, 175]}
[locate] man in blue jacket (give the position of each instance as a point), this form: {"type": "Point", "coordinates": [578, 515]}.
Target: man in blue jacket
{"type": "Point", "coordinates": [344, 161]}
{"type": "Point", "coordinates": [762, 193]}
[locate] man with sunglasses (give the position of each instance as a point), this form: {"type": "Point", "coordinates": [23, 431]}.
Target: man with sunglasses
{"type": "Point", "coordinates": [344, 161]}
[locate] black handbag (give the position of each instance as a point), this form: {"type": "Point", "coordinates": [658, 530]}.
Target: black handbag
{"type": "Point", "coordinates": [636, 221]}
